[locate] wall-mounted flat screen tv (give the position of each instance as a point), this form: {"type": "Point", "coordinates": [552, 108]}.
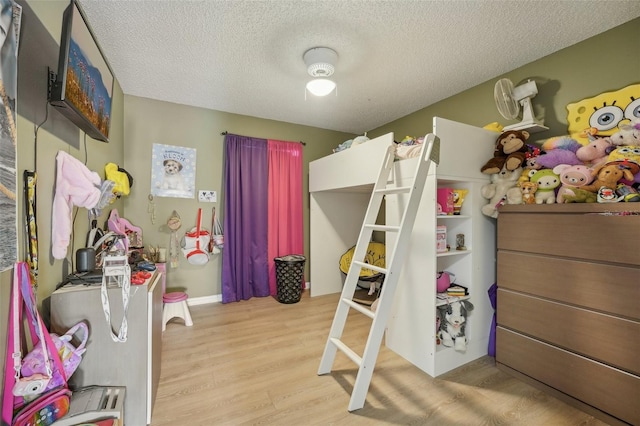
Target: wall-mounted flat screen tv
{"type": "Point", "coordinates": [83, 88]}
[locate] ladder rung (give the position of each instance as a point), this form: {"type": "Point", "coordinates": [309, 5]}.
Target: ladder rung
{"type": "Point", "coordinates": [347, 350]}
{"type": "Point", "coordinates": [383, 228]}
{"type": "Point", "coordinates": [369, 266]}
{"type": "Point", "coordinates": [360, 308]}
{"type": "Point", "coordinates": [394, 190]}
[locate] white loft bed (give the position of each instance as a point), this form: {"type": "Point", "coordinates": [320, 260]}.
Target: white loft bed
{"type": "Point", "coordinates": [340, 187]}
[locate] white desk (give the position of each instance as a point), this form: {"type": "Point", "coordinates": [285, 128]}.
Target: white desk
{"type": "Point", "coordinates": [135, 363]}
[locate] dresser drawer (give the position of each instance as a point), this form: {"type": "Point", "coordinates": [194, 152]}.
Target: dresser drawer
{"type": "Point", "coordinates": [604, 287]}
{"type": "Point", "coordinates": [606, 388]}
{"type": "Point", "coordinates": [603, 337]}
{"type": "Point", "coordinates": [584, 235]}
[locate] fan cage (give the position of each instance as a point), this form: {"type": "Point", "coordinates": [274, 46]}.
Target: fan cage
{"type": "Point", "coordinates": [504, 99]}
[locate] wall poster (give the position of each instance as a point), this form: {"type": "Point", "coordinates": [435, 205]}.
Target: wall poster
{"type": "Point", "coordinates": [10, 24]}
{"type": "Point", "coordinates": [173, 171]}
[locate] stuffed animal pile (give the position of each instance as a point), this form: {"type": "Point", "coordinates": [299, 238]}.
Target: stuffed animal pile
{"type": "Point", "coordinates": [564, 169]}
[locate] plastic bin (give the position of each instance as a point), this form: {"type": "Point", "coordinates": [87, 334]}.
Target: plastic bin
{"type": "Point", "coordinates": [289, 276]}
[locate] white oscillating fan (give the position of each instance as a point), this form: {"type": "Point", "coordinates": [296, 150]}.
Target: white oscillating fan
{"type": "Point", "coordinates": [510, 99]}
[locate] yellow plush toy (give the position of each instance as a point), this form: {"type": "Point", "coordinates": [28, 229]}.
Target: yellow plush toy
{"type": "Point", "coordinates": [123, 180]}
{"type": "Point", "coordinates": [602, 115]}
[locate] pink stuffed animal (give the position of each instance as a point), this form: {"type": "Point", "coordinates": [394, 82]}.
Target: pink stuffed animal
{"type": "Point", "coordinates": [571, 177]}
{"type": "Point", "coordinates": [595, 153]}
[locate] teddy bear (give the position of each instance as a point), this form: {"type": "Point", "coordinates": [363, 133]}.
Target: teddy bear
{"type": "Point", "coordinates": [608, 176]}
{"type": "Point", "coordinates": [496, 191]}
{"type": "Point", "coordinates": [547, 182]}
{"type": "Point", "coordinates": [629, 155]}
{"type": "Point", "coordinates": [571, 177]}
{"type": "Point", "coordinates": [453, 317]}
{"type": "Point", "coordinates": [510, 152]}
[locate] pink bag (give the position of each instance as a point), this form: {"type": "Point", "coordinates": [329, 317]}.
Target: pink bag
{"type": "Point", "coordinates": [69, 354]}
{"type": "Point", "coordinates": [23, 400]}
{"type": "Point", "coordinates": [45, 410]}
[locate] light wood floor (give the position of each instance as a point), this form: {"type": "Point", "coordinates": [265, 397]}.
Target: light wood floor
{"type": "Point", "coordinates": [255, 362]}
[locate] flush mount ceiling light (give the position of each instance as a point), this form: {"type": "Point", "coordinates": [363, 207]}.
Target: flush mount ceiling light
{"type": "Point", "coordinates": [320, 63]}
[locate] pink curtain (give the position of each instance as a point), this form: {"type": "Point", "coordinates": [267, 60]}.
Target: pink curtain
{"type": "Point", "coordinates": [286, 233]}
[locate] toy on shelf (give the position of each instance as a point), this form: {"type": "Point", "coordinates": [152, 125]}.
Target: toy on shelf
{"type": "Point", "coordinates": [453, 318]}
{"type": "Point", "coordinates": [458, 199]}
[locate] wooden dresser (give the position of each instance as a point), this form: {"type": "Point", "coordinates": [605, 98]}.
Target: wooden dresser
{"type": "Point", "coordinates": [568, 309]}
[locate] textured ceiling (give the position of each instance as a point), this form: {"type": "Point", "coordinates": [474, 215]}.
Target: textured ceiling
{"type": "Point", "coordinates": [395, 57]}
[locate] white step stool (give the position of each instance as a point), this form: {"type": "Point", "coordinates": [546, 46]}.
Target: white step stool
{"type": "Point", "coordinates": [175, 305]}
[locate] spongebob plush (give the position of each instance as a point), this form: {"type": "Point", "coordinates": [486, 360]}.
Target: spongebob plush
{"type": "Point", "coordinates": [602, 115]}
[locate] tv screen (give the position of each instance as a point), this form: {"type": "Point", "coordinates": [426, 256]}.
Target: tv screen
{"type": "Point", "coordinates": [83, 88]}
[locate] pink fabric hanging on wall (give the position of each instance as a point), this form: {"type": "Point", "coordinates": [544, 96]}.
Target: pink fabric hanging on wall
{"type": "Point", "coordinates": [286, 229]}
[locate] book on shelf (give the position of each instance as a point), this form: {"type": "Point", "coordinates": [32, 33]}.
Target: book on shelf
{"type": "Point", "coordinates": [444, 298]}
{"type": "Point", "coordinates": [457, 290]}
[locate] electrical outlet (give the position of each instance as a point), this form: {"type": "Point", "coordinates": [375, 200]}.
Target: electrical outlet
{"type": "Point", "coordinates": [207, 196]}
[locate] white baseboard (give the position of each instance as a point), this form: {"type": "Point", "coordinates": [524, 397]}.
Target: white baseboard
{"type": "Point", "coordinates": [216, 298]}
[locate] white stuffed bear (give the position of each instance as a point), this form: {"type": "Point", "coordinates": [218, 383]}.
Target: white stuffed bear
{"type": "Point", "coordinates": [496, 191]}
{"type": "Point", "coordinates": [453, 318]}
{"type": "Point", "coordinates": [547, 181]}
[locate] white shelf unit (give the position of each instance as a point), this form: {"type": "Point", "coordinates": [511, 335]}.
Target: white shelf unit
{"type": "Point", "coordinates": [411, 331]}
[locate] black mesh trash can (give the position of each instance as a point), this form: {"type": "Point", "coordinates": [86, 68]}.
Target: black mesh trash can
{"type": "Point", "coordinates": [289, 276]}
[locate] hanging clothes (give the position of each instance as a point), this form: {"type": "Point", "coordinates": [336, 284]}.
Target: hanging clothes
{"type": "Point", "coordinates": [76, 185]}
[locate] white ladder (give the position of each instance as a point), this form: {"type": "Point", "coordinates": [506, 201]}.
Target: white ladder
{"type": "Point", "coordinates": [366, 363]}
